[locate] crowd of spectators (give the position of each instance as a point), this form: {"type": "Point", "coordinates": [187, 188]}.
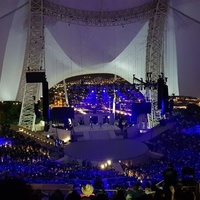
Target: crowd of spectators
{"type": "Point", "coordinates": [25, 158]}
{"type": "Point", "coordinates": [178, 147]}
{"type": "Point", "coordinates": [18, 189]}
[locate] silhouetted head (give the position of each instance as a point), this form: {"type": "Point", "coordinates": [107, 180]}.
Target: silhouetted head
{"type": "Point", "coordinates": [15, 189]}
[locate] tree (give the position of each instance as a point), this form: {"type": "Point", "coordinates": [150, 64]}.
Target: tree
{"type": "Point", "coordinates": [9, 112]}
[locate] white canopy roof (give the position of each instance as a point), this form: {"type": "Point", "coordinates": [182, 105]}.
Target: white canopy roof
{"type": "Point", "coordinates": [72, 49]}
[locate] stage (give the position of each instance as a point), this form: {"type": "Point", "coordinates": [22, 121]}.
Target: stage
{"type": "Point", "coordinates": [101, 150]}
{"type": "Point", "coordinates": [96, 132]}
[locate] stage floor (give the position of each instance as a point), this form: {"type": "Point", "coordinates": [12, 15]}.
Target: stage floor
{"type": "Point", "coordinates": [95, 127]}
{"type": "Point", "coordinates": [101, 150]}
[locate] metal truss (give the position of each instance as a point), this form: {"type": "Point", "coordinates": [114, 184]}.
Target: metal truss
{"type": "Point", "coordinates": [154, 53]}
{"type": "Point", "coordinates": [33, 61]}
{"type": "Point", "coordinates": [154, 116]}
{"type": "Point", "coordinates": [99, 18]}
{"type": "Point", "coordinates": [154, 62]}
{"type": "Point", "coordinates": [155, 11]}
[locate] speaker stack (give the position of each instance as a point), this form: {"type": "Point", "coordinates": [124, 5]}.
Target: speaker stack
{"type": "Point", "coordinates": [163, 95]}
{"type": "Point", "coordinates": [37, 76]}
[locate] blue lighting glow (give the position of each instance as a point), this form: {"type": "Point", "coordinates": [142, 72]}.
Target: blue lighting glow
{"type": "Point", "coordinates": [105, 96]}
{"type": "Point", "coordinates": [193, 130]}
{"type": "Point", "coordinates": [91, 98]}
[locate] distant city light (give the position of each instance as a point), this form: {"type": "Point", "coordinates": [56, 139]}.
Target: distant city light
{"type": "Point", "coordinates": [109, 162]}
{"type": "Point", "coordinates": [102, 166]}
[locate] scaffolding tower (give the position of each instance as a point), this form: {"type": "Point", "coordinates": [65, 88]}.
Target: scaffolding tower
{"type": "Point", "coordinates": [154, 57]}
{"type": "Point", "coordinates": [34, 61]}
{"type": "Point", "coordinates": [155, 10]}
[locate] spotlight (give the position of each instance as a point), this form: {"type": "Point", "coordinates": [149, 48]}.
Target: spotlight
{"type": "Point", "coordinates": [48, 136]}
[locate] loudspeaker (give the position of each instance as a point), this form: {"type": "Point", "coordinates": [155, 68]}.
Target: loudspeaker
{"type": "Point", "coordinates": [45, 92]}
{"type": "Point", "coordinates": [35, 77]}
{"type": "Point", "coordinates": [162, 94]}
{"type": "Point", "coordinates": [160, 83]}
{"type": "Point", "coordinates": [165, 92]}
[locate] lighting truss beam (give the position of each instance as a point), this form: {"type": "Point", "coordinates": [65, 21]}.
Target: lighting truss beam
{"type": "Point", "coordinates": [99, 18]}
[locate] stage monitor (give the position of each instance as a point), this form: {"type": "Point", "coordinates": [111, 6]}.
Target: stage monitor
{"type": "Point", "coordinates": [62, 113]}
{"type": "Point", "coordinates": [141, 108]}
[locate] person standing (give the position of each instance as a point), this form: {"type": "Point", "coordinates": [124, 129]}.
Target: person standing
{"type": "Point", "coordinates": [91, 125]}
{"type": "Point", "coordinates": [170, 179]}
